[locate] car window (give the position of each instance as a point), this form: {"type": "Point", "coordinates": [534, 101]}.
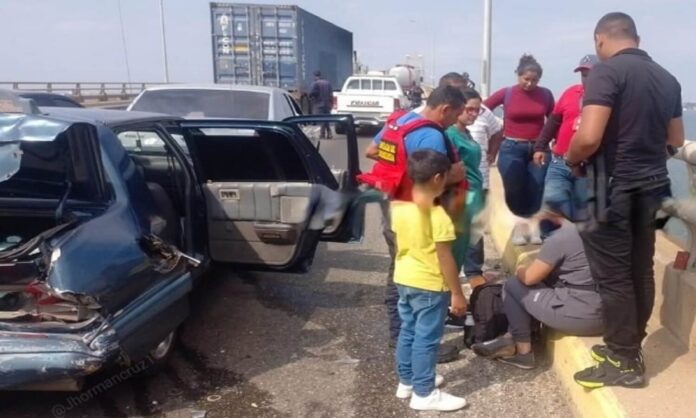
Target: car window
{"type": "Point", "coordinates": [377, 84]}
{"type": "Point", "coordinates": [62, 102]}
{"type": "Point", "coordinates": [294, 107]}
{"type": "Point", "coordinates": [353, 85]}
{"type": "Point", "coordinates": [365, 84]}
{"type": "Point", "coordinates": [147, 142]}
{"type": "Point", "coordinates": [229, 154]}
{"type": "Point", "coordinates": [195, 103]}
{"type": "Point", "coordinates": [389, 85]}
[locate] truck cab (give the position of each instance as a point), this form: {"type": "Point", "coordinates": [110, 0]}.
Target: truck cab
{"type": "Point", "coordinates": [370, 99]}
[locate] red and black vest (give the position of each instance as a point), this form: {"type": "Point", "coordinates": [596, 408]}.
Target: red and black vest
{"type": "Point", "coordinates": [389, 173]}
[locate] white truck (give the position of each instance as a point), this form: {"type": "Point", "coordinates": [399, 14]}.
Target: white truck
{"type": "Point", "coordinates": [370, 99]}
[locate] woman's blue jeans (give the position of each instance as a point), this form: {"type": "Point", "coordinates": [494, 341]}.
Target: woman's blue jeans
{"type": "Point", "coordinates": [423, 314]}
{"type": "Point", "coordinates": [523, 180]}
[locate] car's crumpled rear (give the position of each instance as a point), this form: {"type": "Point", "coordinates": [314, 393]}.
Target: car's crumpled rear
{"type": "Point", "coordinates": [46, 335]}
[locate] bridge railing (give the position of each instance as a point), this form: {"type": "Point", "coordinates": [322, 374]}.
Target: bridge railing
{"type": "Point", "coordinates": [81, 91]}
{"type": "Point", "coordinates": [685, 209]}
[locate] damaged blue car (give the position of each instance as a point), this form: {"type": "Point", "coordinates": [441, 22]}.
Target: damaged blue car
{"type": "Point", "coordinates": [108, 218]}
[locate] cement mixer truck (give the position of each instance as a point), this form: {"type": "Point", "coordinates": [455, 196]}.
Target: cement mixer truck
{"type": "Point", "coordinates": [407, 76]}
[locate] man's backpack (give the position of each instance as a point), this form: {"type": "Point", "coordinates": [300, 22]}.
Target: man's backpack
{"type": "Point", "coordinates": [486, 307]}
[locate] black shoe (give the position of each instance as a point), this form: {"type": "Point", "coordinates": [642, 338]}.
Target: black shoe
{"type": "Point", "coordinates": [521, 361]}
{"type": "Point", "coordinates": [495, 348]}
{"type": "Point", "coordinates": [614, 371]}
{"type": "Point", "coordinates": [447, 353]}
{"type": "Point", "coordinates": [600, 352]}
{"type": "Point", "coordinates": [455, 321]}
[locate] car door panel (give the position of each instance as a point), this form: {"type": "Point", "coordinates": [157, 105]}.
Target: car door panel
{"type": "Point", "coordinates": [256, 223]}
{"type": "Point", "coordinates": [259, 190]}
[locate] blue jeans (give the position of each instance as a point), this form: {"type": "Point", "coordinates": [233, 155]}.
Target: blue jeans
{"type": "Point", "coordinates": [422, 315]}
{"type": "Point", "coordinates": [474, 259]}
{"type": "Point", "coordinates": [566, 190]}
{"type": "Point", "coordinates": [523, 180]}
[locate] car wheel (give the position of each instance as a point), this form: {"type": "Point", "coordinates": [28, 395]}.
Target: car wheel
{"type": "Point", "coordinates": [340, 129]}
{"type": "Point", "coordinates": [164, 348]}
{"type": "Point", "coordinates": [159, 356]}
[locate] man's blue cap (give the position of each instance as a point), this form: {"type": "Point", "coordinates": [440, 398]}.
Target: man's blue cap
{"type": "Point", "coordinates": [587, 62]}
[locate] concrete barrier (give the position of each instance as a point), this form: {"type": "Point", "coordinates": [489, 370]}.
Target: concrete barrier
{"type": "Point", "coordinates": [671, 365]}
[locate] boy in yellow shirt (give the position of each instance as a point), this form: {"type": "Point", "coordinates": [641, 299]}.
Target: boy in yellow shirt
{"type": "Point", "coordinates": [427, 280]}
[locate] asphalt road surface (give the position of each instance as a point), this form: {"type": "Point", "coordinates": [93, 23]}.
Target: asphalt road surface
{"type": "Point", "coordinates": [283, 345]}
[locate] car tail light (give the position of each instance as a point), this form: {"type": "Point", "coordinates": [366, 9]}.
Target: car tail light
{"type": "Point", "coordinates": [397, 104]}
{"type": "Point", "coordinates": [334, 102]}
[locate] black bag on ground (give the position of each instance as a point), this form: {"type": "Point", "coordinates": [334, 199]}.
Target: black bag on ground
{"type": "Point", "coordinates": [486, 307]}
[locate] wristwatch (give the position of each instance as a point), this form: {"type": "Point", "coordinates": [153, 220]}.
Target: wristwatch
{"type": "Point", "coordinates": [572, 164]}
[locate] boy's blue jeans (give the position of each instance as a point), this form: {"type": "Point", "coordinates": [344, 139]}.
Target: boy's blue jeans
{"type": "Point", "coordinates": [422, 315]}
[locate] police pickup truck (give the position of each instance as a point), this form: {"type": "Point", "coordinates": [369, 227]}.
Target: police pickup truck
{"type": "Point", "coordinates": [370, 99]}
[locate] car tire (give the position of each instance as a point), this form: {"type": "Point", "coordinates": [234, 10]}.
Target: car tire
{"type": "Point", "coordinates": [340, 129]}
{"type": "Point", "coordinates": [158, 357]}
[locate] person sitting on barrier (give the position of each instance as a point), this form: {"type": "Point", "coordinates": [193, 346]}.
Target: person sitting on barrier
{"type": "Point", "coordinates": [557, 289]}
{"type": "Point", "coordinates": [526, 106]}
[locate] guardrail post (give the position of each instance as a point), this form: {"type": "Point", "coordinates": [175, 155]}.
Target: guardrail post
{"type": "Point", "coordinates": [124, 93]}
{"type": "Point", "coordinates": [685, 209]}
{"type": "Point", "coordinates": [102, 93]}
{"type": "Point", "coordinates": [49, 87]}
{"type": "Point", "coordinates": [77, 93]}
{"type": "Point", "coordinates": [15, 86]}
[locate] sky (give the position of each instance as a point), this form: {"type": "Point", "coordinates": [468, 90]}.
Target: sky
{"type": "Point", "coordinates": [81, 40]}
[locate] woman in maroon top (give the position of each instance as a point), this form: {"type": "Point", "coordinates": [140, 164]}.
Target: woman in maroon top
{"type": "Point", "coordinates": [526, 106]}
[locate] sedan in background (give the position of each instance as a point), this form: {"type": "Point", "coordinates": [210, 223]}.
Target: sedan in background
{"type": "Point", "coordinates": [49, 99]}
{"type": "Point", "coordinates": [218, 101]}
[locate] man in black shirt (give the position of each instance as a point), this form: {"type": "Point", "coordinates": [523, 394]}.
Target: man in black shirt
{"type": "Point", "coordinates": [321, 93]}
{"type": "Point", "coordinates": [631, 115]}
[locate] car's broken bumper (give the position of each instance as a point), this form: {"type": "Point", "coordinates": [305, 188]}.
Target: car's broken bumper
{"type": "Point", "coordinates": [36, 360]}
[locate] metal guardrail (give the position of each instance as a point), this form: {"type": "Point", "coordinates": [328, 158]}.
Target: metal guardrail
{"type": "Point", "coordinates": [685, 209]}
{"type": "Point", "coordinates": [83, 92]}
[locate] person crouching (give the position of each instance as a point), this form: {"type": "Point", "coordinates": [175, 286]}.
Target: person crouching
{"type": "Point", "coordinates": [426, 277]}
{"type": "Point", "coordinates": [557, 289]}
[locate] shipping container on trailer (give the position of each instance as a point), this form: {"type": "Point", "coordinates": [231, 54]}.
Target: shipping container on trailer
{"type": "Point", "coordinates": [278, 46]}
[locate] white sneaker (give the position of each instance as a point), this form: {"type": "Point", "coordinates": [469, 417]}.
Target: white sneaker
{"type": "Point", "coordinates": [405, 391]}
{"type": "Point", "coordinates": [437, 401]}
{"type": "Point", "coordinates": [520, 234]}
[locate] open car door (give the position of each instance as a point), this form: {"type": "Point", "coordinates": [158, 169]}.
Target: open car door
{"type": "Point", "coordinates": [340, 156]}
{"type": "Point", "coordinates": [268, 193]}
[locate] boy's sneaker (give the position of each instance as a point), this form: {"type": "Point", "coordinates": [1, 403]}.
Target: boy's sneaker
{"type": "Point", "coordinates": [495, 348]}
{"type": "Point", "coordinates": [437, 401]}
{"type": "Point", "coordinates": [600, 352]}
{"type": "Point", "coordinates": [614, 371]}
{"type": "Point", "coordinates": [405, 391]}
{"type": "Point", "coordinates": [521, 361]}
